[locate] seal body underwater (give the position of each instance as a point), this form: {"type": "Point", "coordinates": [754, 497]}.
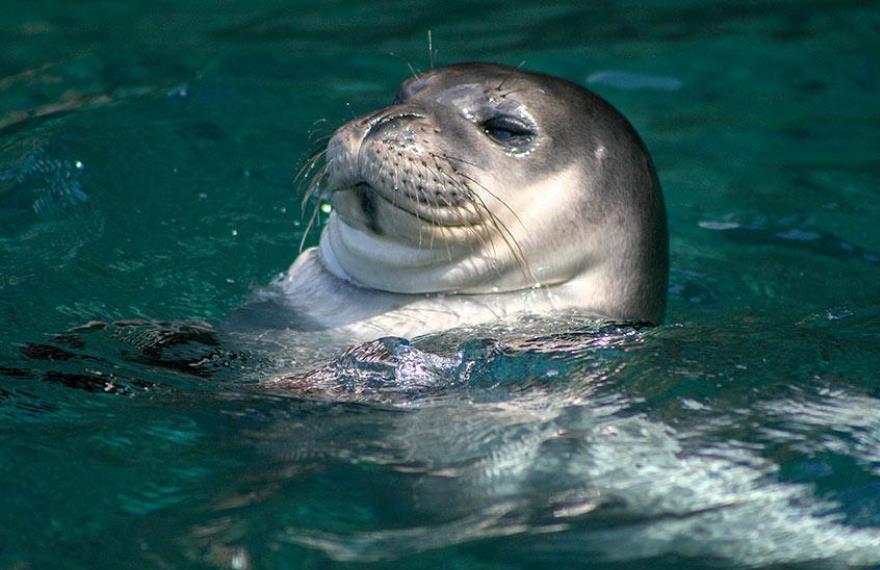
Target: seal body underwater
{"type": "Point", "coordinates": [483, 192]}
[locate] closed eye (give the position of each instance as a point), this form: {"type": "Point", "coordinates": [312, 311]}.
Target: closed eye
{"type": "Point", "coordinates": [509, 131]}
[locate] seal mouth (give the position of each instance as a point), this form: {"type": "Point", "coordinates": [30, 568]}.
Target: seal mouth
{"type": "Point", "coordinates": [369, 197]}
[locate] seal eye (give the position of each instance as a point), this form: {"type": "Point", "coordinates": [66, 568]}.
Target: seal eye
{"type": "Point", "coordinates": [508, 131]}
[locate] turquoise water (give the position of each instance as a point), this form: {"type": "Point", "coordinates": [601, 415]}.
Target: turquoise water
{"type": "Point", "coordinates": [147, 152]}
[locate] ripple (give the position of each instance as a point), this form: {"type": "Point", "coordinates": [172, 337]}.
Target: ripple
{"type": "Point", "coordinates": [631, 81]}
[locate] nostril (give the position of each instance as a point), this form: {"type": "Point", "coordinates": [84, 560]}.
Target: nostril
{"type": "Point", "coordinates": [369, 119]}
{"type": "Point", "coordinates": [379, 123]}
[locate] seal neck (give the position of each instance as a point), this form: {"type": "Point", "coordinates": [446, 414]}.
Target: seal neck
{"type": "Point", "coordinates": [329, 260]}
{"type": "Point", "coordinates": [376, 263]}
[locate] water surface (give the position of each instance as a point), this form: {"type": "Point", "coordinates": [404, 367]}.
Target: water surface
{"type": "Point", "coordinates": [147, 152]}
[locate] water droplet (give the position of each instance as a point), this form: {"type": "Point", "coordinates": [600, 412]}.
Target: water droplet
{"type": "Point", "coordinates": [181, 90]}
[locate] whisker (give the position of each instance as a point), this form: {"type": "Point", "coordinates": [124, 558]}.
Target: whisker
{"type": "Point", "coordinates": [482, 237]}
{"type": "Point", "coordinates": [456, 159]}
{"type": "Point", "coordinates": [310, 181]}
{"type": "Point", "coordinates": [315, 127]}
{"type": "Point", "coordinates": [486, 190]}
{"type": "Point", "coordinates": [418, 207]}
{"type": "Point", "coordinates": [501, 228]}
{"type": "Point", "coordinates": [313, 188]}
{"type": "Point", "coordinates": [485, 245]}
{"type": "Point", "coordinates": [503, 231]}
{"type": "Point", "coordinates": [509, 75]}
{"type": "Point", "coordinates": [412, 70]}
{"type": "Point", "coordinates": [433, 201]}
{"type": "Point", "coordinates": [321, 139]}
{"type": "Point", "coordinates": [310, 164]}
{"type": "Point", "coordinates": [314, 185]}
{"type": "Point", "coordinates": [506, 235]}
{"type": "Point", "coordinates": [308, 230]}
{"type": "Point", "coordinates": [507, 206]}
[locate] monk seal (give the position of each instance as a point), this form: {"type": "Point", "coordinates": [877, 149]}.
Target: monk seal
{"type": "Point", "coordinates": [482, 192]}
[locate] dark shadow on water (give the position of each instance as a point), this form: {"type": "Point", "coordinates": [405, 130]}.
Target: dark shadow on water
{"type": "Point", "coordinates": [809, 240]}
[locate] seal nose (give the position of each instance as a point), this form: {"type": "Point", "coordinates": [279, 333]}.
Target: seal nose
{"type": "Point", "coordinates": [383, 122]}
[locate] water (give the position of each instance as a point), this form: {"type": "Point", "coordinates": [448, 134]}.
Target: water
{"type": "Point", "coordinates": [146, 160]}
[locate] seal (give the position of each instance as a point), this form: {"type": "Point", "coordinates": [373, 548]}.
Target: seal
{"type": "Point", "coordinates": [483, 192]}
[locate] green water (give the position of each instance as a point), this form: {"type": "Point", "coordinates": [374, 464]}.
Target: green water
{"type": "Point", "coordinates": [147, 152]}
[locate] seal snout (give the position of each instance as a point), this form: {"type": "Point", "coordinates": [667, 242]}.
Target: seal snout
{"type": "Point", "coordinates": [388, 121]}
{"type": "Point", "coordinates": [343, 151]}
{"type": "Point", "coordinates": [392, 128]}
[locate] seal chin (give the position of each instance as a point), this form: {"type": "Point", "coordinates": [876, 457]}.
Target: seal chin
{"type": "Point", "coordinates": [391, 265]}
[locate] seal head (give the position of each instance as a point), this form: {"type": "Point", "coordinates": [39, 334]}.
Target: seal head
{"type": "Point", "coordinates": [484, 179]}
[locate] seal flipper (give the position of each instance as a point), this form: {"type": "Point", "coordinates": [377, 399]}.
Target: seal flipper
{"type": "Point", "coordinates": [182, 346]}
{"type": "Point", "coordinates": [192, 348]}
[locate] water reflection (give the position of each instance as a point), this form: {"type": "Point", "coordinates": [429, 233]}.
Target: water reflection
{"type": "Point", "coordinates": [565, 441]}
